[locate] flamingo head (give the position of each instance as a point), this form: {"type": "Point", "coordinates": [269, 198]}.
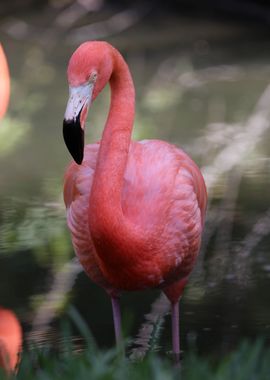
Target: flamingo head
{"type": "Point", "coordinates": [89, 69]}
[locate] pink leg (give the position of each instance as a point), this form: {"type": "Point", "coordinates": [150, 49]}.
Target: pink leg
{"type": "Point", "coordinates": [116, 319]}
{"type": "Point", "coordinates": [175, 331]}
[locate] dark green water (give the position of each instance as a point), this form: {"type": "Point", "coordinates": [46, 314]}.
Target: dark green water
{"type": "Point", "coordinates": [200, 86]}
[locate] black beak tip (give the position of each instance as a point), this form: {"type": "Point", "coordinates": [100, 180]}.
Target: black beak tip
{"type": "Point", "coordinates": [74, 138]}
{"type": "Point", "coordinates": [78, 160]}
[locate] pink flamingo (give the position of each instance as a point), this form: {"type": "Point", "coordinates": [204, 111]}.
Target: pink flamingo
{"type": "Point", "coordinates": [4, 83]}
{"type": "Point", "coordinates": [10, 340]}
{"type": "Point", "coordinates": [135, 209]}
{"type": "Point", "coordinates": [10, 329]}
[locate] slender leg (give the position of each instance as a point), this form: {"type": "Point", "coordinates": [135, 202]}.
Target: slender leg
{"type": "Point", "coordinates": [175, 331]}
{"type": "Point", "coordinates": [116, 319]}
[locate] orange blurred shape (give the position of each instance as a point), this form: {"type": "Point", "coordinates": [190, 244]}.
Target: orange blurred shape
{"type": "Point", "coordinates": [10, 340]}
{"type": "Point", "coordinates": [4, 83]}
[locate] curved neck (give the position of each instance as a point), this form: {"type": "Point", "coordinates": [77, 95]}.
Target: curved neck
{"type": "Point", "coordinates": [109, 228]}
{"type": "Point", "coordinates": [114, 146]}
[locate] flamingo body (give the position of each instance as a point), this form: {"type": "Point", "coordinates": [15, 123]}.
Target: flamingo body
{"type": "Point", "coordinates": [160, 183]}
{"type": "Point", "coordinates": [135, 209]}
{"type": "Point", "coordinates": [10, 340]}
{"type": "Point", "coordinates": [10, 329]}
{"type": "Point", "coordinates": [4, 83]}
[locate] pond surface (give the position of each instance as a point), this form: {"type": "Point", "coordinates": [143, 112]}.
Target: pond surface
{"type": "Point", "coordinates": [203, 87]}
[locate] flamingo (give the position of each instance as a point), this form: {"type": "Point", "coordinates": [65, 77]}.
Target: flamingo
{"type": "Point", "coordinates": [135, 209]}
{"type": "Point", "coordinates": [10, 340]}
{"type": "Point", "coordinates": [10, 329]}
{"type": "Point", "coordinates": [4, 83]}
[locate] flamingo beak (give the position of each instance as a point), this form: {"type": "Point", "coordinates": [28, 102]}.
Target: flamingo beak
{"type": "Point", "coordinates": [74, 119]}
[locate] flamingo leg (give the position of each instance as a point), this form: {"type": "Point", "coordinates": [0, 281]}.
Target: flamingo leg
{"type": "Point", "coordinates": [175, 331]}
{"type": "Point", "coordinates": [116, 319]}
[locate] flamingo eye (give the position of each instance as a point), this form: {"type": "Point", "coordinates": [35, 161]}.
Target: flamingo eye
{"type": "Point", "coordinates": [92, 77]}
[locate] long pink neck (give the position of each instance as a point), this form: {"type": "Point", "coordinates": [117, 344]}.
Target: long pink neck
{"type": "Point", "coordinates": [111, 232]}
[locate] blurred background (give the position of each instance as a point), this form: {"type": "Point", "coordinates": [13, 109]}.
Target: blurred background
{"type": "Point", "coordinates": [202, 75]}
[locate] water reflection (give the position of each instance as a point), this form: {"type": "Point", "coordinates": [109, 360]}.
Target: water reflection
{"type": "Point", "coordinates": [31, 226]}
{"type": "Point", "coordinates": [216, 108]}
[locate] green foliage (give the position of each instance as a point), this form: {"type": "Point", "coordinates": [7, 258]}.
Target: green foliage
{"type": "Point", "coordinates": [67, 360]}
{"type": "Point", "coordinates": [100, 365]}
{"type": "Point", "coordinates": [249, 362]}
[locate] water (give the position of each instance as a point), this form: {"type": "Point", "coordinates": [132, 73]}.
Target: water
{"type": "Point", "coordinates": [199, 87]}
